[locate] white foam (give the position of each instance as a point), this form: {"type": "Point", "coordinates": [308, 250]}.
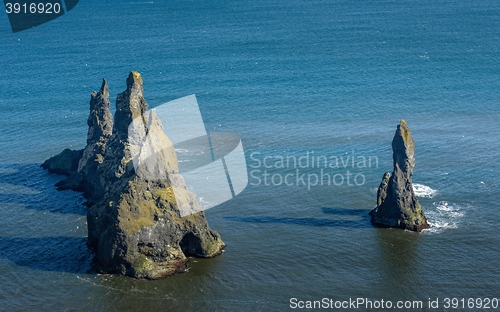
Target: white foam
{"type": "Point", "coordinates": [439, 226]}
{"type": "Point", "coordinates": [453, 211]}
{"type": "Point", "coordinates": [443, 216]}
{"type": "Point", "coordinates": [424, 191]}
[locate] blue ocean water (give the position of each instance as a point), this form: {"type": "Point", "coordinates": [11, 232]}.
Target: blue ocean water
{"type": "Point", "coordinates": [292, 79]}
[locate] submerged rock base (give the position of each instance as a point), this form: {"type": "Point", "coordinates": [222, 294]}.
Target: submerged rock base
{"type": "Point", "coordinates": [397, 205]}
{"type": "Point", "coordinates": [134, 222]}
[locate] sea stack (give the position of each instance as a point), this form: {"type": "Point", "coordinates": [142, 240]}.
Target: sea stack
{"type": "Point", "coordinates": [397, 205]}
{"type": "Point", "coordinates": [134, 221]}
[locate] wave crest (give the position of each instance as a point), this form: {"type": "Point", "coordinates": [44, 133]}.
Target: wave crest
{"type": "Point", "coordinates": [424, 191]}
{"type": "Point", "coordinates": [444, 216]}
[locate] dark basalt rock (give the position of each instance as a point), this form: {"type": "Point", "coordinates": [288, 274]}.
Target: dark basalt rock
{"type": "Point", "coordinates": [65, 163]}
{"type": "Point", "coordinates": [100, 122]}
{"type": "Point", "coordinates": [397, 205]}
{"type": "Point", "coordinates": [382, 189]}
{"type": "Point", "coordinates": [134, 221]}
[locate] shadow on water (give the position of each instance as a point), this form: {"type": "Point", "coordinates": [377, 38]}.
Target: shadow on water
{"type": "Point", "coordinates": [399, 261]}
{"type": "Point", "coordinates": [361, 222]}
{"type": "Point", "coordinates": [33, 187]}
{"type": "Point", "coordinates": [60, 254]}
{"type": "Point", "coordinates": [346, 212]}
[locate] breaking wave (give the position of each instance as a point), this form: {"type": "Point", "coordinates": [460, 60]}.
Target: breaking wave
{"type": "Point", "coordinates": [423, 191]}
{"type": "Point", "coordinates": [420, 190]}
{"type": "Point", "coordinates": [444, 216]}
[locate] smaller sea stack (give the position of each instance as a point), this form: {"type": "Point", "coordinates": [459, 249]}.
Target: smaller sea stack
{"type": "Point", "coordinates": [397, 205]}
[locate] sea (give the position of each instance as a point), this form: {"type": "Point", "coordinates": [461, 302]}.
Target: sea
{"type": "Point", "coordinates": [315, 90]}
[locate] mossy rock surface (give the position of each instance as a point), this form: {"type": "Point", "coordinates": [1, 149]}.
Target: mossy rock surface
{"type": "Point", "coordinates": [397, 205]}
{"type": "Point", "coordinates": [134, 223]}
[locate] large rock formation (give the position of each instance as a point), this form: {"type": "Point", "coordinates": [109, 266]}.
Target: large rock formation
{"type": "Point", "coordinates": [129, 174]}
{"type": "Point", "coordinates": [397, 205]}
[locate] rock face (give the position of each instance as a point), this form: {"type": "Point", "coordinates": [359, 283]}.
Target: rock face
{"type": "Point", "coordinates": [397, 205]}
{"type": "Point", "coordinates": [65, 163]}
{"type": "Point", "coordinates": [100, 124]}
{"type": "Point", "coordinates": [134, 222]}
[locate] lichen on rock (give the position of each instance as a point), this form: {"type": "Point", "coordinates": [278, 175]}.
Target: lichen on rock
{"type": "Point", "coordinates": [128, 172]}
{"type": "Point", "coordinates": [397, 205]}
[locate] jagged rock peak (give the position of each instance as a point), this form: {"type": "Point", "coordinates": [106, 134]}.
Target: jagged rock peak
{"type": "Point", "coordinates": [100, 120]}
{"type": "Point", "coordinates": [403, 148]}
{"type": "Point", "coordinates": [134, 81]}
{"type": "Point", "coordinates": [103, 92]}
{"type": "Point", "coordinates": [130, 104]}
{"type": "Point", "coordinates": [397, 205]}
{"type": "Point", "coordinates": [131, 181]}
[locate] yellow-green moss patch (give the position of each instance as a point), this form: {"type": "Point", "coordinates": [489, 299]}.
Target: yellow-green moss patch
{"type": "Point", "coordinates": [136, 214]}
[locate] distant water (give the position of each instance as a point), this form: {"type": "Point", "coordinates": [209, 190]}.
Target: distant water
{"type": "Point", "coordinates": [324, 79]}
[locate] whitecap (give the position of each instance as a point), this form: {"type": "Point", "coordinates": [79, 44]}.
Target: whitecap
{"type": "Point", "coordinates": [424, 191]}
{"type": "Point", "coordinates": [439, 226]}
{"type": "Point", "coordinates": [443, 216]}
{"type": "Point", "coordinates": [450, 210]}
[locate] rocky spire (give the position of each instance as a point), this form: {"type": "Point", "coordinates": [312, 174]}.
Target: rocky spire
{"type": "Point", "coordinates": [100, 121]}
{"type": "Point", "coordinates": [129, 173]}
{"type": "Point", "coordinates": [81, 166]}
{"type": "Point", "coordinates": [135, 226]}
{"type": "Point", "coordinates": [131, 108]}
{"type": "Point", "coordinates": [100, 124]}
{"type": "Point", "coordinates": [397, 205]}
{"type": "Point", "coordinates": [130, 104]}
